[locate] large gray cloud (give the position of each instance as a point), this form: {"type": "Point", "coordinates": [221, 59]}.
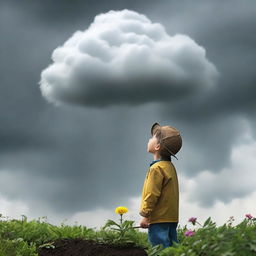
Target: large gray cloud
{"type": "Point", "coordinates": [119, 57]}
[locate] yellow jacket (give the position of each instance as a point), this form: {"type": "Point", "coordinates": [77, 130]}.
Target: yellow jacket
{"type": "Point", "coordinates": [160, 194]}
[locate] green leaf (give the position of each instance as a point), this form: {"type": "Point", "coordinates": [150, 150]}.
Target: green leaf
{"type": "Point", "coordinates": [154, 251]}
{"type": "Point", "coordinates": [252, 247]}
{"type": "Point", "coordinates": [117, 229]}
{"type": "Point", "coordinates": [111, 223]}
{"type": "Point", "coordinates": [207, 222]}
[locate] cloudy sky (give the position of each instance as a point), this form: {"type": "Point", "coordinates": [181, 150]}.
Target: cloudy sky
{"type": "Point", "coordinates": [82, 82]}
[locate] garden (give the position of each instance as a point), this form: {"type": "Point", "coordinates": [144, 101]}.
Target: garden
{"type": "Point", "coordinates": [118, 238]}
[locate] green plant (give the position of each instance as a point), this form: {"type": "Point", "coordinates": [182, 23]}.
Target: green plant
{"type": "Point", "coordinates": [124, 231]}
{"type": "Point", "coordinates": [23, 237]}
{"type": "Point", "coordinates": [17, 247]}
{"type": "Point", "coordinates": [210, 240]}
{"type": "Point", "coordinates": [154, 250]}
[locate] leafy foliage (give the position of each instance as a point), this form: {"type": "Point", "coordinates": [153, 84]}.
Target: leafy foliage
{"type": "Point", "coordinates": [17, 247]}
{"type": "Point", "coordinates": [122, 234]}
{"type": "Point", "coordinates": [210, 240]}
{"type": "Point", "coordinates": [23, 237]}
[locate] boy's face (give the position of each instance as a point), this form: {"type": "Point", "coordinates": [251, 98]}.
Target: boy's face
{"type": "Point", "coordinates": [153, 145]}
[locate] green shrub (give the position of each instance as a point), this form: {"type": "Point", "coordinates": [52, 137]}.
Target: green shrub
{"type": "Point", "coordinates": [210, 240]}
{"type": "Point", "coordinates": [22, 237]}
{"type": "Point", "coordinates": [17, 247]}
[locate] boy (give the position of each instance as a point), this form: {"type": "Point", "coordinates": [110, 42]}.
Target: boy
{"type": "Point", "coordinates": [160, 196]}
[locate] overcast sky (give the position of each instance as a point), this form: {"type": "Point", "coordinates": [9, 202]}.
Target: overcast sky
{"type": "Point", "coordinates": [82, 82]}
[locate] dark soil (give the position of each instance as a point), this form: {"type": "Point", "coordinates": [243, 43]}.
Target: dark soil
{"type": "Point", "coordinates": [81, 247]}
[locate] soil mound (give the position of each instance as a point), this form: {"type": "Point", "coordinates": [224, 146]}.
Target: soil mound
{"type": "Point", "coordinates": [81, 247]}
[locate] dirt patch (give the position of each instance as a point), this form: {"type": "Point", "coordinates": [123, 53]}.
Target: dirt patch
{"type": "Point", "coordinates": [81, 247]}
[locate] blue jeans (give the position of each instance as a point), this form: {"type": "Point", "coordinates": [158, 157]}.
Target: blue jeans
{"type": "Point", "coordinates": [163, 233]}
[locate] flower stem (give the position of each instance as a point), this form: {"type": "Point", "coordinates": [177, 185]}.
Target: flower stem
{"type": "Point", "coordinates": [121, 218]}
{"type": "Point", "coordinates": [121, 230]}
{"type": "Point", "coordinates": [199, 223]}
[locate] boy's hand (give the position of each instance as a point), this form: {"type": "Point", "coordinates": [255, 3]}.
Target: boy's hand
{"type": "Point", "coordinates": [144, 223]}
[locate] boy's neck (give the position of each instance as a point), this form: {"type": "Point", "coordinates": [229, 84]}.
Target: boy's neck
{"type": "Point", "coordinates": [156, 156]}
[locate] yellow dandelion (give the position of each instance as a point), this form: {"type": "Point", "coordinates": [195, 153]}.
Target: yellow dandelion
{"type": "Point", "coordinates": [121, 210]}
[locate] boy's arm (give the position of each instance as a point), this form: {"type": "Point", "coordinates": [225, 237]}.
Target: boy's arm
{"type": "Point", "coordinates": [152, 191]}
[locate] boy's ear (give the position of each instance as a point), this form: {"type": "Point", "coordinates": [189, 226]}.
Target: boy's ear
{"type": "Point", "coordinates": [157, 147]}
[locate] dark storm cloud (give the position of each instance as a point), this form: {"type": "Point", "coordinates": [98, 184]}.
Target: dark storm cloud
{"type": "Point", "coordinates": [71, 148]}
{"type": "Point", "coordinates": [66, 13]}
{"type": "Point", "coordinates": [42, 141]}
{"type": "Point", "coordinates": [214, 118]}
{"type": "Point", "coordinates": [86, 148]}
{"type": "Point", "coordinates": [226, 30]}
{"type": "Point", "coordinates": [53, 149]}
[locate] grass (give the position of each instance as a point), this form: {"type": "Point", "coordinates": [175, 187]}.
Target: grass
{"type": "Point", "coordinates": [23, 237]}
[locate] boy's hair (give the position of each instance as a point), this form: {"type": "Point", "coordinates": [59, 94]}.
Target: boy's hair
{"type": "Point", "coordinates": [163, 153]}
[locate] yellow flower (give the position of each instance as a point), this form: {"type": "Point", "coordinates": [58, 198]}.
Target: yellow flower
{"type": "Point", "coordinates": [121, 210]}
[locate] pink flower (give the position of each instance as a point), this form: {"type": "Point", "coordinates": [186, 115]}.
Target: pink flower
{"type": "Point", "coordinates": [193, 220]}
{"type": "Point", "coordinates": [189, 233]}
{"type": "Point", "coordinates": [248, 216]}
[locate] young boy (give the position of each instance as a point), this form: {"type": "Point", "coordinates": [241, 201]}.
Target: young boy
{"type": "Point", "coordinates": [160, 195]}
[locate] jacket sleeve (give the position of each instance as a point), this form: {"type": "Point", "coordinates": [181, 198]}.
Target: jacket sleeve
{"type": "Point", "coordinates": [152, 191]}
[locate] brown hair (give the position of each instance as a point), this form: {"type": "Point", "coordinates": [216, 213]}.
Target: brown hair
{"type": "Point", "coordinates": [163, 153]}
